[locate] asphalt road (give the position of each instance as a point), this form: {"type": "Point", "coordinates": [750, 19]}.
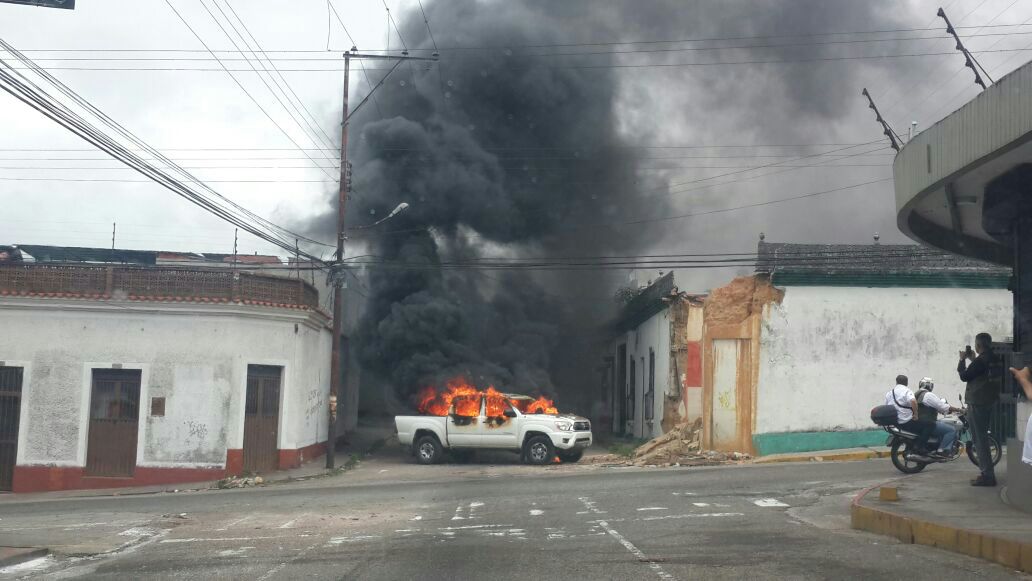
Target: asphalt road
{"type": "Point", "coordinates": [489, 522]}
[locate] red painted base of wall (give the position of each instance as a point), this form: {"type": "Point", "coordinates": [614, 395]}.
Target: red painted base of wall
{"type": "Point", "coordinates": [48, 478]}
{"type": "Point", "coordinates": [295, 458]}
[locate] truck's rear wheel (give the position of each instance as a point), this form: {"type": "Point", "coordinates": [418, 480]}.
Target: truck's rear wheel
{"type": "Point", "coordinates": [428, 450]}
{"type": "Point", "coordinates": [539, 450]}
{"type": "Point", "coordinates": [570, 456]}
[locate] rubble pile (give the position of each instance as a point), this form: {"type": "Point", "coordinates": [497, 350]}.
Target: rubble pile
{"type": "Point", "coordinates": [239, 482]}
{"type": "Point", "coordinates": [681, 446]}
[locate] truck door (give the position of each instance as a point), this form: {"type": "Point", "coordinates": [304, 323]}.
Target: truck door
{"type": "Point", "coordinates": [500, 430]}
{"type": "Point", "coordinates": [465, 422]}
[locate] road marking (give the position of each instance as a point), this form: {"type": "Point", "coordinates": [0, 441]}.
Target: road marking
{"type": "Point", "coordinates": [769, 502]}
{"type": "Point", "coordinates": [536, 512]}
{"type": "Point", "coordinates": [698, 515]}
{"type": "Point", "coordinates": [354, 539]}
{"type": "Point", "coordinates": [700, 504]}
{"type": "Point", "coordinates": [473, 506]}
{"type": "Point", "coordinates": [417, 517]}
{"type": "Point", "coordinates": [635, 551]}
{"type": "Point", "coordinates": [224, 539]}
{"type": "Point", "coordinates": [590, 505]}
{"type": "Point", "coordinates": [268, 574]}
{"type": "Point", "coordinates": [684, 494]}
{"type": "Point", "coordinates": [458, 513]}
{"type": "Point", "coordinates": [472, 527]}
{"type": "Point", "coordinates": [288, 524]}
{"type": "Point", "coordinates": [234, 523]}
{"type": "Point", "coordinates": [654, 508]}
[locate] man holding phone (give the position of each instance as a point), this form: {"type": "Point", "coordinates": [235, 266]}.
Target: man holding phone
{"type": "Point", "coordinates": [981, 395]}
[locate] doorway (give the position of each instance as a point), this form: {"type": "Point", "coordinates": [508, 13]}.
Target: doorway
{"type": "Point", "coordinates": [10, 412]}
{"type": "Point", "coordinates": [261, 418]}
{"type": "Point", "coordinates": [724, 405]}
{"type": "Point", "coordinates": [114, 422]}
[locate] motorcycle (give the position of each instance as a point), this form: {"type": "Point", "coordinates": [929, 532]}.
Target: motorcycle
{"type": "Point", "coordinates": [908, 458]}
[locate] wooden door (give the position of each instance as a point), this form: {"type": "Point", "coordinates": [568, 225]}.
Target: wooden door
{"type": "Point", "coordinates": [10, 410]}
{"type": "Point", "coordinates": [114, 422]}
{"type": "Point", "coordinates": [261, 418]}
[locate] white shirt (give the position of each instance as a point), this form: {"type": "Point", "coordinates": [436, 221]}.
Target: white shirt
{"type": "Point", "coordinates": [1026, 452]}
{"type": "Point", "coordinates": [933, 401]}
{"type": "Point", "coordinates": [901, 396]}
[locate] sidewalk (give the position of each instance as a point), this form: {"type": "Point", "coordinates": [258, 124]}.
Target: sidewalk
{"type": "Point", "coordinates": [939, 508]}
{"type": "Point", "coordinates": [842, 455]}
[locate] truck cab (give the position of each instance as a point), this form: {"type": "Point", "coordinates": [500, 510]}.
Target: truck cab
{"type": "Point", "coordinates": [502, 422]}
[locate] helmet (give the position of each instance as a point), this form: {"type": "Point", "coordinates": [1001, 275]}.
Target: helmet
{"type": "Point", "coordinates": [926, 383]}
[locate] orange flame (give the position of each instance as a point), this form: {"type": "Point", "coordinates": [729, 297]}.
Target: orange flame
{"type": "Point", "coordinates": [464, 399]}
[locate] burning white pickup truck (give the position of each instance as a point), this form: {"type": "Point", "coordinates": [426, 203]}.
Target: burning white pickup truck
{"type": "Point", "coordinates": [491, 420]}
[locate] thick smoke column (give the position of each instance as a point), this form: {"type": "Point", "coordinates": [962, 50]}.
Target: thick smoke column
{"type": "Point", "coordinates": [501, 152]}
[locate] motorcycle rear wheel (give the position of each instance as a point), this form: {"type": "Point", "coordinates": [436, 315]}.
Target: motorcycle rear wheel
{"type": "Point", "coordinates": [900, 450]}
{"type": "Point", "coordinates": [995, 452]}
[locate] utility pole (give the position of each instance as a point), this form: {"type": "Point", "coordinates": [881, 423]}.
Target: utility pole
{"type": "Point", "coordinates": [337, 269]}
{"type": "Point", "coordinates": [113, 226]}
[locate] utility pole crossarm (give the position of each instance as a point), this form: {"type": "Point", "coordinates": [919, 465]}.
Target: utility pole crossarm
{"type": "Point", "coordinates": [886, 128]}
{"type": "Point", "coordinates": [969, 59]}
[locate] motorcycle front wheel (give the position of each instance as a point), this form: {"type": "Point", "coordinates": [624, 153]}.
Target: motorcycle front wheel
{"type": "Point", "coordinates": [900, 450]}
{"type": "Point", "coordinates": [995, 451]}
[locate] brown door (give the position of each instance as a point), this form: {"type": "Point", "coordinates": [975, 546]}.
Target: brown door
{"type": "Point", "coordinates": [261, 418]}
{"type": "Point", "coordinates": [10, 407]}
{"type": "Point", "coordinates": [114, 422]}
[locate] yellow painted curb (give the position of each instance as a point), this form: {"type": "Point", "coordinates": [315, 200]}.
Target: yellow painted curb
{"type": "Point", "coordinates": [829, 457]}
{"type": "Point", "coordinates": [1009, 553]}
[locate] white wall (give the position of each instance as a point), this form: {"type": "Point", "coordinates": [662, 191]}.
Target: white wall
{"type": "Point", "coordinates": [655, 334]}
{"type": "Point", "coordinates": [829, 354]}
{"type": "Point", "coordinates": [196, 356]}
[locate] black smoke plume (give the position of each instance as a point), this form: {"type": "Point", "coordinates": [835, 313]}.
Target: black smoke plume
{"type": "Point", "coordinates": [502, 151]}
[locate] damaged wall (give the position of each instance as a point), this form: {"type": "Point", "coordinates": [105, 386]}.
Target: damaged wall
{"type": "Point", "coordinates": [829, 354]}
{"type": "Point", "coordinates": [730, 360]}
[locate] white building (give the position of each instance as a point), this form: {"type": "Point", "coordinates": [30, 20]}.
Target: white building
{"type": "Point", "coordinates": [653, 361]}
{"type": "Point", "coordinates": [130, 375]}
{"type": "Point", "coordinates": [797, 355]}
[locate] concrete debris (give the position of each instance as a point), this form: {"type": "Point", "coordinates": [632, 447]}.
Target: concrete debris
{"type": "Point", "coordinates": [239, 482]}
{"type": "Point", "coordinates": [681, 446]}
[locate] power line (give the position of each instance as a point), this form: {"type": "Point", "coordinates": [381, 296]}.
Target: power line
{"type": "Point", "coordinates": [241, 85]}
{"type": "Point", "coordinates": [313, 133]}
{"type": "Point", "coordinates": [361, 65]}
{"type": "Point", "coordinates": [594, 66]}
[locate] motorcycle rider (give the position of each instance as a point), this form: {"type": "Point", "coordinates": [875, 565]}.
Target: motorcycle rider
{"type": "Point", "coordinates": [928, 410]}
{"type": "Point", "coordinates": [906, 408]}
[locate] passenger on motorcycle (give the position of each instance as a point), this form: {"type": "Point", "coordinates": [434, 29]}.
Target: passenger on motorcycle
{"type": "Point", "coordinates": [906, 408]}
{"type": "Point", "coordinates": [929, 408]}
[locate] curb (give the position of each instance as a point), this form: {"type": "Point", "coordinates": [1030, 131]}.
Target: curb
{"type": "Point", "coordinates": [819, 457]}
{"type": "Point", "coordinates": [17, 555]}
{"type": "Point", "coordinates": [1009, 553]}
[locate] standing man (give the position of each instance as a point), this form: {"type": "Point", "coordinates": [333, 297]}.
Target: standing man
{"type": "Point", "coordinates": [981, 395]}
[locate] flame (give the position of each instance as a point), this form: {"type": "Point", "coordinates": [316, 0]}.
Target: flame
{"type": "Point", "coordinates": [464, 400]}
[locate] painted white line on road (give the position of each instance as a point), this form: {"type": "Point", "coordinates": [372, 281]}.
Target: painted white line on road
{"type": "Point", "coordinates": [536, 512]}
{"type": "Point", "coordinates": [417, 517]}
{"type": "Point", "coordinates": [224, 539]}
{"type": "Point", "coordinates": [458, 513]}
{"type": "Point", "coordinates": [654, 508]}
{"type": "Point", "coordinates": [635, 551]}
{"type": "Point", "coordinates": [288, 524]}
{"type": "Point", "coordinates": [234, 523]}
{"type": "Point", "coordinates": [700, 504]}
{"type": "Point", "coordinates": [684, 494]}
{"type": "Point", "coordinates": [697, 515]}
{"type": "Point", "coordinates": [769, 502]}
{"type": "Point", "coordinates": [590, 505]}
{"type": "Point", "coordinates": [354, 539]}
{"type": "Point", "coordinates": [268, 574]}
{"type": "Point", "coordinates": [473, 527]}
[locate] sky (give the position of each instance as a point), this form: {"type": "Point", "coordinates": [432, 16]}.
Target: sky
{"type": "Point", "coordinates": [55, 190]}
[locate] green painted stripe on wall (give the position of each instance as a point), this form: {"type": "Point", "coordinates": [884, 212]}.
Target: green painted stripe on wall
{"type": "Point", "coordinates": [786, 442]}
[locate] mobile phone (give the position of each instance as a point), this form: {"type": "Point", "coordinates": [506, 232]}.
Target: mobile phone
{"type": "Point", "coordinates": [967, 350]}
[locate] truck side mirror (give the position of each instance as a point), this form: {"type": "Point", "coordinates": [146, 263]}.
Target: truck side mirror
{"type": "Point", "coordinates": [509, 413]}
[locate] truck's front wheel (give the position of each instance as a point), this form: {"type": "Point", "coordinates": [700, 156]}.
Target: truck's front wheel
{"type": "Point", "coordinates": [428, 450]}
{"type": "Point", "coordinates": [571, 456]}
{"type": "Point", "coordinates": [539, 450]}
